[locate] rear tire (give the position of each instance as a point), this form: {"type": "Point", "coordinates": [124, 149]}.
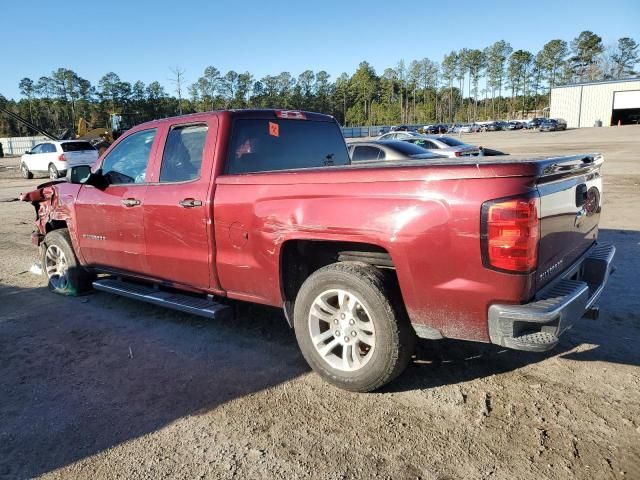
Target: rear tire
{"type": "Point", "coordinates": [53, 172]}
{"type": "Point", "coordinates": [25, 171]}
{"type": "Point", "coordinates": [61, 266]}
{"type": "Point", "coordinates": [351, 327]}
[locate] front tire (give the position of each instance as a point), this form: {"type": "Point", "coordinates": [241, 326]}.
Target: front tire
{"type": "Point", "coordinates": [351, 327]}
{"type": "Point", "coordinates": [25, 171]}
{"type": "Point", "coordinates": [53, 172]}
{"type": "Point", "coordinates": [65, 274]}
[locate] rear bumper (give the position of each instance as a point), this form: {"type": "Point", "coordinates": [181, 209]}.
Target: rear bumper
{"type": "Point", "coordinates": [536, 326]}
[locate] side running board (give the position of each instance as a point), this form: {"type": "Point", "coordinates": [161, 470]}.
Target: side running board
{"type": "Point", "coordinates": [183, 302]}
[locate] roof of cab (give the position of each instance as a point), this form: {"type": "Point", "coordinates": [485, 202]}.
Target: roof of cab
{"type": "Point", "coordinates": [239, 113]}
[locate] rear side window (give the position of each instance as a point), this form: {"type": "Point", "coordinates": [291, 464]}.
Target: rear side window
{"type": "Point", "coordinates": [182, 157]}
{"type": "Point", "coordinates": [408, 148]}
{"type": "Point", "coordinates": [452, 142]}
{"type": "Point", "coordinates": [76, 146]}
{"type": "Point", "coordinates": [260, 145]}
{"type": "Point", "coordinates": [426, 144]}
{"type": "Point", "coordinates": [48, 148]}
{"type": "Point", "coordinates": [366, 152]}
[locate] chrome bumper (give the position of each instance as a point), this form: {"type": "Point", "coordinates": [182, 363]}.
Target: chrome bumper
{"type": "Point", "coordinates": [536, 326]}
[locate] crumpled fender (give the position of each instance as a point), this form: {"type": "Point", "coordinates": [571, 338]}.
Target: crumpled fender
{"type": "Point", "coordinates": [41, 193]}
{"type": "Point", "coordinates": [52, 201]}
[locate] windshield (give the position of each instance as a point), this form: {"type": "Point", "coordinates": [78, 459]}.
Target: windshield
{"type": "Point", "coordinates": [259, 145]}
{"type": "Point", "coordinates": [452, 142]}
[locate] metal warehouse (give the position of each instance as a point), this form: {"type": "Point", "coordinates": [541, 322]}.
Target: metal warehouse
{"type": "Point", "coordinates": [615, 102]}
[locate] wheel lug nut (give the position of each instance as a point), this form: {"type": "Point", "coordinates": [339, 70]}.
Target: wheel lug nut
{"type": "Point", "coordinates": [335, 321]}
{"type": "Point", "coordinates": [337, 333]}
{"type": "Point", "coordinates": [352, 322]}
{"type": "Point", "coordinates": [353, 334]}
{"type": "Point", "coordinates": [342, 316]}
{"type": "Point", "coordinates": [346, 339]}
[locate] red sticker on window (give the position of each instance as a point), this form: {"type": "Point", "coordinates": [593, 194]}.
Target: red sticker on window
{"type": "Point", "coordinates": [274, 129]}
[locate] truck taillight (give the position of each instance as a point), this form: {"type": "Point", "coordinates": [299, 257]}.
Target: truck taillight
{"type": "Point", "coordinates": [510, 234]}
{"type": "Point", "coordinates": [62, 158]}
{"type": "Point", "coordinates": [458, 153]}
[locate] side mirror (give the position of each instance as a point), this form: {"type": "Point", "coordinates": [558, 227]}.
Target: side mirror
{"type": "Point", "coordinates": [28, 152]}
{"type": "Point", "coordinates": [79, 174]}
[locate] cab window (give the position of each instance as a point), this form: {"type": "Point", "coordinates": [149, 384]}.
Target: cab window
{"type": "Point", "coordinates": [182, 157]}
{"type": "Point", "coordinates": [260, 145]}
{"type": "Point", "coordinates": [127, 162]}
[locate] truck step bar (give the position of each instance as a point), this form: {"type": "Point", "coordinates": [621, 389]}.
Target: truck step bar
{"type": "Point", "coordinates": [204, 307]}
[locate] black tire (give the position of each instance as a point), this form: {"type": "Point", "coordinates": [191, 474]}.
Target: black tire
{"type": "Point", "coordinates": [25, 171]}
{"type": "Point", "coordinates": [75, 279]}
{"type": "Point", "coordinates": [394, 336]}
{"type": "Point", "coordinates": [53, 172]}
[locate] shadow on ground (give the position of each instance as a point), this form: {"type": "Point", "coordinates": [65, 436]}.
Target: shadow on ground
{"type": "Point", "coordinates": [81, 375]}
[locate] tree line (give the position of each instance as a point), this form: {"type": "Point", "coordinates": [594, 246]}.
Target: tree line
{"type": "Point", "coordinates": [466, 85]}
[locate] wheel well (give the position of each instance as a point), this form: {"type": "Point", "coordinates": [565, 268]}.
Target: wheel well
{"type": "Point", "coordinates": [300, 258]}
{"type": "Point", "coordinates": [55, 225]}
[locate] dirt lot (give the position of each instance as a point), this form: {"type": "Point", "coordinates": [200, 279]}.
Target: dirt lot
{"type": "Point", "coordinates": [104, 387]}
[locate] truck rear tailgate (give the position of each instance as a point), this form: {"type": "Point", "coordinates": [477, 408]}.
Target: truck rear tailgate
{"type": "Point", "coordinates": [570, 203]}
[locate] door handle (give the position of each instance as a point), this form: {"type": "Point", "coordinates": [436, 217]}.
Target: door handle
{"type": "Point", "coordinates": [190, 203]}
{"type": "Point", "coordinates": [130, 202]}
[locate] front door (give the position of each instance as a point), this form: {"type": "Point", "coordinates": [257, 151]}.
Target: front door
{"type": "Point", "coordinates": [111, 224]}
{"type": "Point", "coordinates": [177, 211]}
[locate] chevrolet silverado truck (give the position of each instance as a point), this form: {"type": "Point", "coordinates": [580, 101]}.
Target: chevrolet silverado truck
{"type": "Point", "coordinates": [265, 206]}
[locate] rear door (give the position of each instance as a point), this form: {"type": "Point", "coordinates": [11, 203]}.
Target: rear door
{"type": "Point", "coordinates": [177, 210]}
{"type": "Point", "coordinates": [570, 204]}
{"type": "Point", "coordinates": [45, 154]}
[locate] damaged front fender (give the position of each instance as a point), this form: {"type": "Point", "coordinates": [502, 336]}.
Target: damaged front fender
{"type": "Point", "coordinates": [53, 203]}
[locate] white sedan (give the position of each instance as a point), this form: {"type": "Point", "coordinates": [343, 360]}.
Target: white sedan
{"type": "Point", "coordinates": [56, 156]}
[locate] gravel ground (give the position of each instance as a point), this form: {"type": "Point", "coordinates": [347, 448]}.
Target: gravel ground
{"type": "Point", "coordinates": [104, 387]}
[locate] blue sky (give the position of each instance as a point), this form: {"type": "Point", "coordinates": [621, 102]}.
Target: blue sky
{"type": "Point", "coordinates": [140, 40]}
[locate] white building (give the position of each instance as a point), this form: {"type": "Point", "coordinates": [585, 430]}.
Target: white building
{"type": "Point", "coordinates": [610, 102]}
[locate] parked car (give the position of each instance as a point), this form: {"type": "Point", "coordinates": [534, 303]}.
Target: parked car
{"type": "Point", "coordinates": [534, 123]}
{"type": "Point", "coordinates": [470, 128]}
{"type": "Point", "coordinates": [444, 146]}
{"type": "Point", "coordinates": [399, 135]}
{"type": "Point", "coordinates": [435, 129]}
{"type": "Point", "coordinates": [553, 124]}
{"type": "Point", "coordinates": [514, 125]}
{"type": "Point", "coordinates": [388, 150]}
{"type": "Point", "coordinates": [362, 257]}
{"type": "Point", "coordinates": [492, 127]}
{"type": "Point", "coordinates": [56, 156]}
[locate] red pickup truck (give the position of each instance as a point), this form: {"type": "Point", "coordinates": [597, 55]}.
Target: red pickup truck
{"type": "Point", "coordinates": [265, 206]}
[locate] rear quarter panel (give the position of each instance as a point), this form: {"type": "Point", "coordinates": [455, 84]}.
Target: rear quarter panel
{"type": "Point", "coordinates": [429, 222]}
